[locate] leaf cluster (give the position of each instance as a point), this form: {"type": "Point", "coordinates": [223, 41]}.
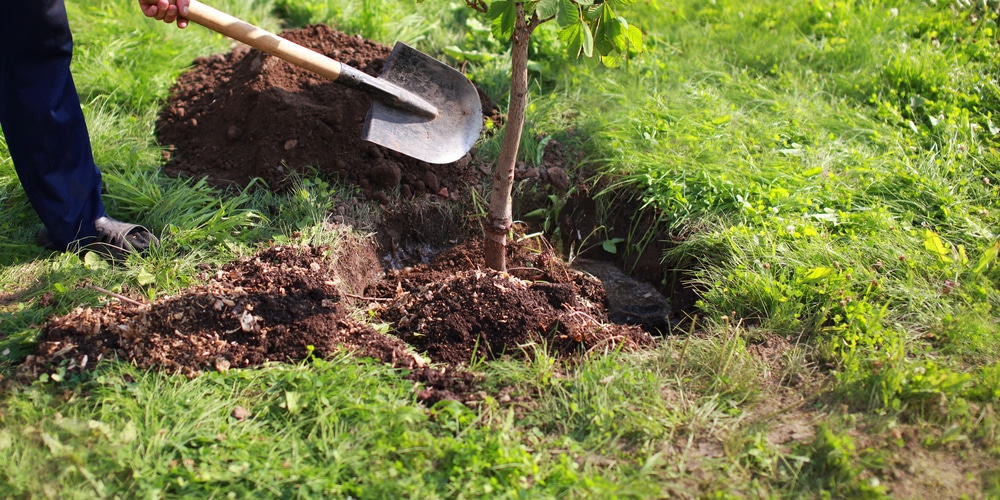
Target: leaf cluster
{"type": "Point", "coordinates": [586, 27]}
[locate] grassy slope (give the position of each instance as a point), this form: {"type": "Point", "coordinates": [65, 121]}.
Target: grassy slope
{"type": "Point", "coordinates": [824, 163]}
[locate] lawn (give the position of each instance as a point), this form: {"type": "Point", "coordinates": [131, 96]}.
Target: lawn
{"type": "Point", "coordinates": [821, 178]}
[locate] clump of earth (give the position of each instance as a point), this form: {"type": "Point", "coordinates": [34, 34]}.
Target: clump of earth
{"type": "Point", "coordinates": [246, 115]}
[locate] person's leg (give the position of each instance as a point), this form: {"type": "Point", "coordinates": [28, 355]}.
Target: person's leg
{"type": "Point", "coordinates": [43, 123]}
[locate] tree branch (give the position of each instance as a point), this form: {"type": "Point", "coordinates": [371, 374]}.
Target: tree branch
{"type": "Point", "coordinates": [477, 5]}
{"type": "Point", "coordinates": [535, 21]}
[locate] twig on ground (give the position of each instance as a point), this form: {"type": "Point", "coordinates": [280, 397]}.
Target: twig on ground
{"type": "Point", "coordinates": [116, 295]}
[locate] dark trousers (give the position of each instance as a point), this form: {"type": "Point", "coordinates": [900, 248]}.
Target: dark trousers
{"type": "Point", "coordinates": [43, 123]}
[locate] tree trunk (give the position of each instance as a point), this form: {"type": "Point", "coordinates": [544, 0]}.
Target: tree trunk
{"type": "Point", "coordinates": [499, 215]}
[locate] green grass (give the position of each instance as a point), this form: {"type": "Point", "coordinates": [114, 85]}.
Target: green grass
{"type": "Point", "coordinates": [827, 173]}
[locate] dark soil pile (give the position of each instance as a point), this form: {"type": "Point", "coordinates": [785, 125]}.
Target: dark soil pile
{"type": "Point", "coordinates": [456, 310]}
{"type": "Point", "coordinates": [280, 305]}
{"type": "Point", "coordinates": [289, 302]}
{"type": "Point", "coordinates": [246, 114]}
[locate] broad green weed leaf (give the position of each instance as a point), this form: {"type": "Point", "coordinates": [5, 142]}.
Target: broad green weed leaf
{"type": "Point", "coordinates": [55, 446]}
{"type": "Point", "coordinates": [145, 277]}
{"type": "Point", "coordinates": [987, 257]}
{"type": "Point", "coordinates": [722, 120]}
{"type": "Point", "coordinates": [291, 402]}
{"type": "Point", "coordinates": [94, 262]}
{"type": "Point", "coordinates": [933, 243]}
{"type": "Point", "coordinates": [469, 55]}
{"type": "Point", "coordinates": [73, 426]}
{"type": "Point", "coordinates": [817, 274]}
{"type": "Point", "coordinates": [611, 245]}
{"type": "Point", "coordinates": [129, 433]}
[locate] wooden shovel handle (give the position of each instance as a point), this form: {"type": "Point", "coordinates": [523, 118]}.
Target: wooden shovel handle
{"type": "Point", "coordinates": [263, 40]}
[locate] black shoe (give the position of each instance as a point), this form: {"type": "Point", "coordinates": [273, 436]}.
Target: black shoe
{"type": "Point", "coordinates": [115, 239]}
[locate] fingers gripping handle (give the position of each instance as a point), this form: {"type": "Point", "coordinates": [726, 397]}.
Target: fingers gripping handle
{"type": "Point", "coordinates": [263, 40]}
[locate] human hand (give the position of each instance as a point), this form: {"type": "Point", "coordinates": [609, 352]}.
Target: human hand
{"type": "Point", "coordinates": [167, 11]}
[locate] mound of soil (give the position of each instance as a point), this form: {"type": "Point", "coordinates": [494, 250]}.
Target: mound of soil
{"type": "Point", "coordinates": [290, 302]}
{"type": "Point", "coordinates": [456, 310]}
{"type": "Point", "coordinates": [245, 114]}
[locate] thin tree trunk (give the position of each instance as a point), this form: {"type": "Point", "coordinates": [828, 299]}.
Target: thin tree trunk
{"type": "Point", "coordinates": [499, 216]}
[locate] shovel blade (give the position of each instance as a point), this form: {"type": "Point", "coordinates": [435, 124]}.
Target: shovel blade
{"type": "Point", "coordinates": [443, 139]}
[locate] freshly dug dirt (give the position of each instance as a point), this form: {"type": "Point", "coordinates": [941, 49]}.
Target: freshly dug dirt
{"type": "Point", "coordinates": [290, 302]}
{"type": "Point", "coordinates": [245, 114]}
{"type": "Point", "coordinates": [242, 115]}
{"type": "Point", "coordinates": [457, 311]}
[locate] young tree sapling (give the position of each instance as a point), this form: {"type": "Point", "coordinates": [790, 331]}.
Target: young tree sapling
{"type": "Point", "coordinates": [587, 28]}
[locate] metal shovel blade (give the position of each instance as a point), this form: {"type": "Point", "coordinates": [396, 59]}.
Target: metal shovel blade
{"type": "Point", "coordinates": [443, 139]}
{"type": "Point", "coordinates": [421, 107]}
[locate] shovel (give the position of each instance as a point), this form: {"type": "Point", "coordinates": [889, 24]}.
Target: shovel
{"type": "Point", "coordinates": [421, 107]}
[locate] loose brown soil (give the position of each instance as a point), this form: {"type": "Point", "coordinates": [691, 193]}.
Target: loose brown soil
{"type": "Point", "coordinates": [289, 302]}
{"type": "Point", "coordinates": [246, 115]}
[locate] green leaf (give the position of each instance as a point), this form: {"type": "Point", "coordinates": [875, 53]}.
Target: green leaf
{"type": "Point", "coordinates": [503, 14]}
{"type": "Point", "coordinates": [987, 257]}
{"type": "Point", "coordinates": [588, 42]}
{"type": "Point", "coordinates": [129, 434]}
{"type": "Point", "coordinates": [497, 9]}
{"type": "Point", "coordinates": [611, 246]}
{"type": "Point", "coordinates": [568, 13]}
{"type": "Point", "coordinates": [634, 36]}
{"type": "Point", "coordinates": [933, 243]}
{"type": "Point", "coordinates": [817, 274]}
{"type": "Point", "coordinates": [593, 13]}
{"type": "Point", "coordinates": [612, 61]}
{"type": "Point", "coordinates": [291, 403]}
{"type": "Point", "coordinates": [573, 36]}
{"type": "Point", "coordinates": [603, 42]}
{"type": "Point", "coordinates": [94, 262]}
{"type": "Point", "coordinates": [722, 120]}
{"type": "Point", "coordinates": [616, 33]}
{"type": "Point", "coordinates": [547, 8]}
{"type": "Point", "coordinates": [145, 277]}
{"type": "Point", "coordinates": [469, 55]}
